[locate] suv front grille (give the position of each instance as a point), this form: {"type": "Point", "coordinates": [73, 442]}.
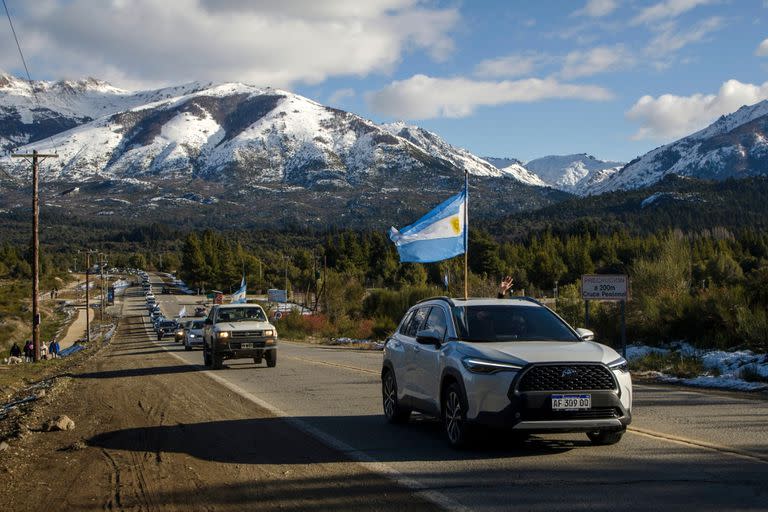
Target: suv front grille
{"type": "Point", "coordinates": [567, 377]}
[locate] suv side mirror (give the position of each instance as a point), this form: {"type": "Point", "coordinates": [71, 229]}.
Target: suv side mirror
{"type": "Point", "coordinates": [585, 334]}
{"type": "Point", "coordinates": [428, 337]}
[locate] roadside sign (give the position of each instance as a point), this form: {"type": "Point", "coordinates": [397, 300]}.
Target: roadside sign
{"type": "Point", "coordinates": [604, 287]}
{"type": "Point", "coordinates": [274, 295]}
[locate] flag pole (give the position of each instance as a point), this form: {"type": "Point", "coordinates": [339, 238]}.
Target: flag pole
{"type": "Point", "coordinates": [466, 234]}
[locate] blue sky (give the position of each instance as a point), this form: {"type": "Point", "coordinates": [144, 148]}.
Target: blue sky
{"type": "Point", "coordinates": [613, 78]}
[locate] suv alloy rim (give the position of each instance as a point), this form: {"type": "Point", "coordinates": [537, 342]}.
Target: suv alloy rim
{"type": "Point", "coordinates": [389, 395]}
{"type": "Point", "coordinates": [453, 417]}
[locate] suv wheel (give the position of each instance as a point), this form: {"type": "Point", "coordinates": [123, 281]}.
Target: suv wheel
{"type": "Point", "coordinates": [454, 412]}
{"type": "Point", "coordinates": [271, 357]}
{"type": "Point", "coordinates": [392, 409]}
{"type": "Point", "coordinates": [605, 437]}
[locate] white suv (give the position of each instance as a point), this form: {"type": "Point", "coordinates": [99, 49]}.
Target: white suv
{"type": "Point", "coordinates": [510, 363]}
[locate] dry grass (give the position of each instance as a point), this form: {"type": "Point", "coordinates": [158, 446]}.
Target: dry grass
{"type": "Point", "coordinates": [670, 364]}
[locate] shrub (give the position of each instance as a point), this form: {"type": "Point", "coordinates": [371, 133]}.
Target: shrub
{"type": "Point", "coordinates": [382, 327]}
{"type": "Point", "coordinates": [750, 373]}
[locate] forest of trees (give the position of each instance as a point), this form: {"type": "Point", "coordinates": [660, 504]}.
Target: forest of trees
{"type": "Point", "coordinates": [710, 287]}
{"type": "Point", "coordinates": [707, 286]}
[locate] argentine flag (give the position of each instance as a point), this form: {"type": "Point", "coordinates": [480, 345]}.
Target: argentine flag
{"type": "Point", "coordinates": [438, 235]}
{"type": "Point", "coordinates": [239, 296]}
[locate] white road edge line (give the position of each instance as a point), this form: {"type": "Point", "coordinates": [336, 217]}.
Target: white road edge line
{"type": "Point", "coordinates": [358, 456]}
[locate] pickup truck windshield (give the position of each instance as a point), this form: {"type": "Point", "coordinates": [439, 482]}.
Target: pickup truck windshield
{"type": "Point", "coordinates": [244, 314]}
{"type": "Point", "coordinates": [500, 323]}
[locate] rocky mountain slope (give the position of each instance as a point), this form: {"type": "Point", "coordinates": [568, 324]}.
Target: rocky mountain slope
{"type": "Point", "coordinates": [232, 144]}
{"type": "Point", "coordinates": [734, 146]}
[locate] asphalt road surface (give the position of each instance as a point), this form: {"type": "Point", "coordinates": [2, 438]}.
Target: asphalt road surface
{"type": "Point", "coordinates": [685, 450]}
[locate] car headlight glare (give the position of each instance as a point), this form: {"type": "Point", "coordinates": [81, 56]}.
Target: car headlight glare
{"type": "Point", "coordinates": [223, 334]}
{"type": "Point", "coordinates": [486, 367]}
{"type": "Point", "coordinates": [619, 365]}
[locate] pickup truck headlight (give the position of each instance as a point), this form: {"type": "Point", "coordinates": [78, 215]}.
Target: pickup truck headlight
{"type": "Point", "coordinates": [222, 335]}
{"type": "Point", "coordinates": [487, 367]}
{"type": "Point", "coordinates": [619, 365]}
{"type": "Point", "coordinates": [269, 332]}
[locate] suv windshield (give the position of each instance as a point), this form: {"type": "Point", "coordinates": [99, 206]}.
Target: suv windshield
{"type": "Point", "coordinates": [510, 323]}
{"type": "Point", "coordinates": [250, 314]}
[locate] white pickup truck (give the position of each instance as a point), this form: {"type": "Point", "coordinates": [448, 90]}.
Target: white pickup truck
{"type": "Point", "coordinates": [236, 331]}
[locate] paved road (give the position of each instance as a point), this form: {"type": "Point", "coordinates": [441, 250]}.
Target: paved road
{"type": "Point", "coordinates": [686, 449]}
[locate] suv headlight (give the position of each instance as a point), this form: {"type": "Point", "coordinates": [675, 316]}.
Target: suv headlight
{"type": "Point", "coordinates": [619, 365]}
{"type": "Point", "coordinates": [222, 335]}
{"type": "Point", "coordinates": [483, 366]}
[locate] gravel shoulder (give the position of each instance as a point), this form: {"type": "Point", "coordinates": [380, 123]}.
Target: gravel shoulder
{"type": "Point", "coordinates": [152, 433]}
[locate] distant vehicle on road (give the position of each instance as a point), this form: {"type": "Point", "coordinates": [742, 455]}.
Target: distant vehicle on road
{"type": "Point", "coordinates": [234, 331]}
{"type": "Point", "coordinates": [510, 363]}
{"type": "Point", "coordinates": [166, 328]}
{"type": "Point", "coordinates": [193, 334]}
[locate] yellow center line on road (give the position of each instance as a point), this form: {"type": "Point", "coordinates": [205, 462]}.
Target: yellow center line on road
{"type": "Point", "coordinates": [696, 443]}
{"type": "Point", "coordinates": [336, 365]}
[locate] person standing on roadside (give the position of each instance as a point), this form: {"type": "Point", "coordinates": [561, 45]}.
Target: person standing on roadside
{"type": "Point", "coordinates": [15, 350]}
{"type": "Point", "coordinates": [29, 352]}
{"type": "Point", "coordinates": [53, 349]}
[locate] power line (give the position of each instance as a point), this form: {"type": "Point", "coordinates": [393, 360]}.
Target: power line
{"type": "Point", "coordinates": [23, 60]}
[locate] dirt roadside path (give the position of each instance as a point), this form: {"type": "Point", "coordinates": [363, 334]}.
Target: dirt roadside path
{"type": "Point", "coordinates": [155, 434]}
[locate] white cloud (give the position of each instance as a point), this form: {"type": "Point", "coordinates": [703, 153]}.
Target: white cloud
{"type": "Point", "coordinates": [424, 97]}
{"type": "Point", "coordinates": [340, 95]}
{"type": "Point", "coordinates": [597, 8]}
{"type": "Point", "coordinates": [509, 66]}
{"type": "Point", "coordinates": [597, 60]}
{"type": "Point", "coordinates": [670, 39]}
{"type": "Point", "coordinates": [762, 50]}
{"type": "Point", "coordinates": [269, 42]}
{"type": "Point", "coordinates": [669, 117]}
{"type": "Point", "coordinates": [665, 10]}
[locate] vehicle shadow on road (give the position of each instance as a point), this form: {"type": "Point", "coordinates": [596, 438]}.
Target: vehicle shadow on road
{"type": "Point", "coordinates": [137, 372]}
{"type": "Point", "coordinates": [273, 441]}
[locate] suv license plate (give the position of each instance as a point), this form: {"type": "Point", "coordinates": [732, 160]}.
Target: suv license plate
{"type": "Point", "coordinates": [571, 402]}
{"type": "Point", "coordinates": [246, 345]}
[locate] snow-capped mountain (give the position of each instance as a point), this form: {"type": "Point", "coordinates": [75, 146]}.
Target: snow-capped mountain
{"type": "Point", "coordinates": [734, 146]}
{"type": "Point", "coordinates": [213, 143]}
{"type": "Point", "coordinates": [31, 112]}
{"type": "Point", "coordinates": [576, 174]}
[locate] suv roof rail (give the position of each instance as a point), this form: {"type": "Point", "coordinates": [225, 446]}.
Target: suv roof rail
{"type": "Point", "coordinates": [439, 297]}
{"type": "Point", "coordinates": [529, 299]}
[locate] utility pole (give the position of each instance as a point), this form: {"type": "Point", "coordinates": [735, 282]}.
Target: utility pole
{"type": "Point", "coordinates": [87, 298]}
{"type": "Point", "coordinates": [36, 157]}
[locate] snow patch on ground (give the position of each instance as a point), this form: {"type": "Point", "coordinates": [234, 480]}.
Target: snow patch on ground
{"type": "Point", "coordinates": [725, 367]}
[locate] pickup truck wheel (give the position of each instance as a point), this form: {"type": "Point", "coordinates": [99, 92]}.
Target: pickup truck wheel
{"type": "Point", "coordinates": [271, 357]}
